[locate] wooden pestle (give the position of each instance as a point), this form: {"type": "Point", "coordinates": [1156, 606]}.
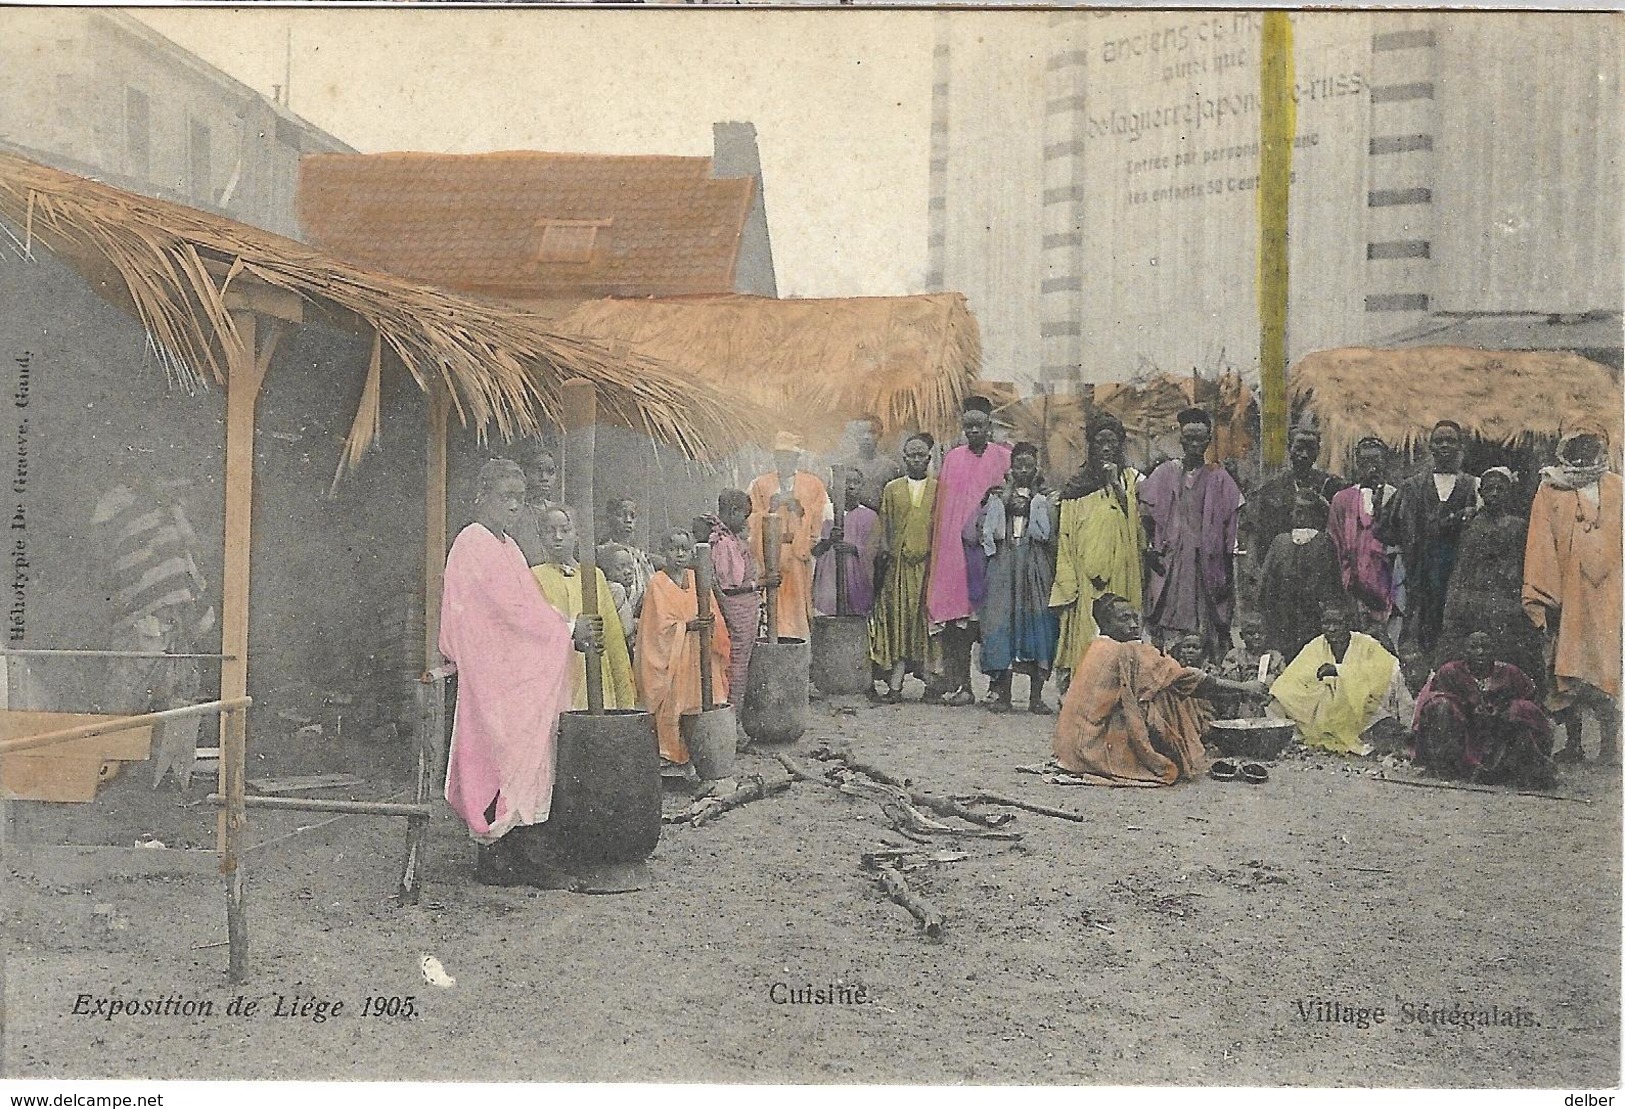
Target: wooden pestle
{"type": "Point", "coordinates": [580, 414]}
{"type": "Point", "coordinates": [837, 535]}
{"type": "Point", "coordinates": [705, 580]}
{"type": "Point", "coordinates": [772, 537]}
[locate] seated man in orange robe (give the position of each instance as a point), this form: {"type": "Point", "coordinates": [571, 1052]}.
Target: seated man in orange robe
{"type": "Point", "coordinates": [667, 659]}
{"type": "Point", "coordinates": [1131, 716]}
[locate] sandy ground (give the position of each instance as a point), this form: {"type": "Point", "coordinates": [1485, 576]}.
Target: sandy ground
{"type": "Point", "coordinates": [1169, 938]}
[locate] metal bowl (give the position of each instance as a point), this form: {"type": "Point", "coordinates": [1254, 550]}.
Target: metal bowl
{"type": "Point", "coordinates": [1250, 739]}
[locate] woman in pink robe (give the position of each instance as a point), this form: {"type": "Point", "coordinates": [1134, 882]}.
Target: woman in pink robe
{"type": "Point", "coordinates": [510, 649]}
{"type": "Point", "coordinates": [1364, 561]}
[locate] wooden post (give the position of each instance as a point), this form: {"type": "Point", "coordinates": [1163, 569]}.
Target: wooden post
{"type": "Point", "coordinates": [1277, 128]}
{"type": "Point", "coordinates": [434, 524]}
{"type": "Point", "coordinates": [837, 534]}
{"type": "Point", "coordinates": [431, 698]}
{"type": "Point", "coordinates": [772, 537]}
{"type": "Point", "coordinates": [1043, 441]}
{"type": "Point", "coordinates": [247, 360]}
{"type": "Point", "coordinates": [580, 414]}
{"type": "Point", "coordinates": [705, 580]}
{"type": "Point", "coordinates": [233, 818]}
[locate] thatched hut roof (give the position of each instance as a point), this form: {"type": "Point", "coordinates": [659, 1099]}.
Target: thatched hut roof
{"type": "Point", "coordinates": [172, 265]}
{"type": "Point", "coordinates": [1507, 397]}
{"type": "Point", "coordinates": [1147, 409]}
{"type": "Point", "coordinates": [811, 364]}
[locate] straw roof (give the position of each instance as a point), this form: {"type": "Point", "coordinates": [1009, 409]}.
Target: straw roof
{"type": "Point", "coordinates": [1508, 397]}
{"type": "Point", "coordinates": [502, 367]}
{"type": "Point", "coordinates": [811, 364]}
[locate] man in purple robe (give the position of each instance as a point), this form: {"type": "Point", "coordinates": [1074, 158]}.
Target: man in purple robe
{"type": "Point", "coordinates": [1190, 507]}
{"type": "Point", "coordinates": [958, 581]}
{"type": "Point", "coordinates": [855, 543]}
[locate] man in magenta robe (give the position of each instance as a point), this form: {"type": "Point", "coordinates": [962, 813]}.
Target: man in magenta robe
{"type": "Point", "coordinates": [510, 650]}
{"type": "Point", "coordinates": [1366, 563]}
{"type": "Point", "coordinates": [958, 581]}
{"type": "Point", "coordinates": [1190, 507]}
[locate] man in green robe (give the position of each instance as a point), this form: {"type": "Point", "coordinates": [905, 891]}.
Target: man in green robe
{"type": "Point", "coordinates": [898, 627]}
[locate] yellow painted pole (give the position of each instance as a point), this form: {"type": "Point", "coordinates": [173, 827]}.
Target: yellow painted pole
{"type": "Point", "coordinates": [1277, 128]}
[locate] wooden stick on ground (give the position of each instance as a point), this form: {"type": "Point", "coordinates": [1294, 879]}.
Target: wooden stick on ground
{"type": "Point", "coordinates": [937, 803]}
{"type": "Point", "coordinates": [800, 774]}
{"type": "Point", "coordinates": [896, 886]}
{"type": "Point", "coordinates": [1483, 789]}
{"type": "Point", "coordinates": [1017, 803]}
{"type": "Point", "coordinates": [751, 789]}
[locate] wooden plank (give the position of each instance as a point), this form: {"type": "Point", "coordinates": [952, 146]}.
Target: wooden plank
{"type": "Point", "coordinates": [300, 782]}
{"type": "Point", "coordinates": [322, 804]}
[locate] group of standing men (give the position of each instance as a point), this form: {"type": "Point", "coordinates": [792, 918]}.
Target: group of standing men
{"type": "Point", "coordinates": [1122, 584]}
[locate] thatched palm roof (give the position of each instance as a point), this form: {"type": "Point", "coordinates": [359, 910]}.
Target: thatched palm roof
{"type": "Point", "coordinates": [811, 364]}
{"type": "Point", "coordinates": [502, 367]}
{"type": "Point", "coordinates": [1508, 397]}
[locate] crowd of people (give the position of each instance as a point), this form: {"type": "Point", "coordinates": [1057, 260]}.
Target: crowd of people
{"type": "Point", "coordinates": [1432, 620]}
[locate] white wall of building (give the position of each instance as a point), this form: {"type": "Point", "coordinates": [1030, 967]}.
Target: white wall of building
{"type": "Point", "coordinates": [1460, 162]}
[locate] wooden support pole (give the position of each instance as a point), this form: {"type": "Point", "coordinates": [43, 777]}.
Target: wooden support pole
{"type": "Point", "coordinates": [247, 359]}
{"type": "Point", "coordinates": [430, 697]}
{"type": "Point", "coordinates": [772, 537]}
{"type": "Point", "coordinates": [705, 580]}
{"type": "Point", "coordinates": [434, 524]}
{"type": "Point", "coordinates": [417, 830]}
{"type": "Point", "coordinates": [580, 416]}
{"type": "Point", "coordinates": [1277, 128]}
{"type": "Point", "coordinates": [232, 821]}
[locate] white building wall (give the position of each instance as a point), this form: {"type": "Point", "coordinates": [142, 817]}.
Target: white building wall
{"type": "Point", "coordinates": [989, 85]}
{"type": "Point", "coordinates": [1444, 162]}
{"type": "Point", "coordinates": [66, 95]}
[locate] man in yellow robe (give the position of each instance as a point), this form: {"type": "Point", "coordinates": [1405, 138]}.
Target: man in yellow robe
{"type": "Point", "coordinates": [1344, 691]}
{"type": "Point", "coordinates": [1099, 542]}
{"type": "Point", "coordinates": [1571, 586]}
{"type": "Point", "coordinates": [1133, 716]}
{"type": "Point", "coordinates": [801, 502]}
{"type": "Point", "coordinates": [560, 579]}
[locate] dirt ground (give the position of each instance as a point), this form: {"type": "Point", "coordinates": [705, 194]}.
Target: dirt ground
{"type": "Point", "coordinates": [1175, 936]}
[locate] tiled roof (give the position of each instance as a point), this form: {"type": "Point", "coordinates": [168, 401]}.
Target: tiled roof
{"type": "Point", "coordinates": [627, 226]}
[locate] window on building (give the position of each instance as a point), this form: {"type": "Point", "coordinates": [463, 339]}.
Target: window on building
{"type": "Point", "coordinates": [198, 166]}
{"type": "Point", "coordinates": [137, 134]}
{"type": "Point", "coordinates": [568, 240]}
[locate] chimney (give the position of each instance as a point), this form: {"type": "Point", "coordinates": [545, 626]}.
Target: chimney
{"type": "Point", "coordinates": [735, 155]}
